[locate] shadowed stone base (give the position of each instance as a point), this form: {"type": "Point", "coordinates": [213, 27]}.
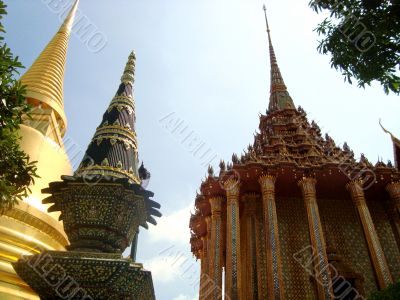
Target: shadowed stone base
{"type": "Point", "coordinates": [83, 275]}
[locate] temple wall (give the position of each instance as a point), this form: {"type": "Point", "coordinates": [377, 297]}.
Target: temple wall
{"type": "Point", "coordinates": [344, 232]}
{"type": "Point", "coordinates": [386, 236]}
{"type": "Point", "coordinates": [344, 236]}
{"type": "Point", "coordinates": [294, 237]}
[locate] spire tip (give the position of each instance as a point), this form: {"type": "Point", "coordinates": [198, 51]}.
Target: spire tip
{"type": "Point", "coordinates": [279, 97]}
{"type": "Point", "coordinates": [69, 20]}
{"type": "Point", "coordinates": [266, 18]}
{"type": "Point", "coordinates": [128, 76]}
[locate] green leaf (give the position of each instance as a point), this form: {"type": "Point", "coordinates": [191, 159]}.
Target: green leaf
{"type": "Point", "coordinates": [363, 39]}
{"type": "Point", "coordinates": [17, 173]}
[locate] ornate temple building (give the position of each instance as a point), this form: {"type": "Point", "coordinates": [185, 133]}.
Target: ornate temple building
{"type": "Point", "coordinates": [28, 227]}
{"type": "Point", "coordinates": [297, 216]}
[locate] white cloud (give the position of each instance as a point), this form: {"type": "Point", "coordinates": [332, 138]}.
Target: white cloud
{"type": "Point", "coordinates": [173, 228]}
{"type": "Point", "coordinates": [172, 265]}
{"type": "Point", "coordinates": [162, 268]}
{"type": "Point", "coordinates": [184, 297]}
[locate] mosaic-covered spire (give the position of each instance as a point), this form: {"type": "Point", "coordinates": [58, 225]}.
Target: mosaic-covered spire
{"type": "Point", "coordinates": [45, 78]}
{"type": "Point", "coordinates": [279, 96]}
{"type": "Point", "coordinates": [113, 150]}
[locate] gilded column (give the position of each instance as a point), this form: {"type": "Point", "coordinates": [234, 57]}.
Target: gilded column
{"type": "Point", "coordinates": [374, 245]}
{"type": "Point", "coordinates": [250, 267]}
{"type": "Point", "coordinates": [214, 285]}
{"type": "Point", "coordinates": [261, 255]}
{"type": "Point", "coordinates": [208, 241]}
{"type": "Point", "coordinates": [233, 257]}
{"type": "Point", "coordinates": [394, 192]}
{"type": "Point", "coordinates": [244, 251]}
{"type": "Point", "coordinates": [321, 267]}
{"type": "Point", "coordinates": [205, 264]}
{"type": "Point", "coordinates": [273, 251]}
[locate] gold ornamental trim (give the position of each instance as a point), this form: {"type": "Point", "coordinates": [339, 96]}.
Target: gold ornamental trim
{"type": "Point", "coordinates": [394, 191]}
{"type": "Point", "coordinates": [307, 185]}
{"type": "Point", "coordinates": [116, 129]}
{"type": "Point", "coordinates": [59, 110]}
{"type": "Point", "coordinates": [113, 139]}
{"type": "Point", "coordinates": [19, 289]}
{"type": "Point", "coordinates": [276, 87]}
{"type": "Point", "coordinates": [267, 183]}
{"type": "Point", "coordinates": [24, 213]}
{"type": "Point", "coordinates": [232, 187]}
{"type": "Point", "coordinates": [356, 191]}
{"type": "Point", "coordinates": [216, 205]}
{"type": "Point", "coordinates": [123, 100]}
{"type": "Point", "coordinates": [120, 107]}
{"type": "Point", "coordinates": [108, 171]}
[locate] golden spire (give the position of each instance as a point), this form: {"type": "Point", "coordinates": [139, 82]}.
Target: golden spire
{"type": "Point", "coordinates": [69, 21]}
{"type": "Point", "coordinates": [45, 78]}
{"type": "Point", "coordinates": [279, 96]}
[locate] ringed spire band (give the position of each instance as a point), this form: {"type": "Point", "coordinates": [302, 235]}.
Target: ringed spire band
{"type": "Point", "coordinates": [45, 78]}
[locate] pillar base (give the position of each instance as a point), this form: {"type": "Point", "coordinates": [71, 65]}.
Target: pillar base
{"type": "Point", "coordinates": [83, 275]}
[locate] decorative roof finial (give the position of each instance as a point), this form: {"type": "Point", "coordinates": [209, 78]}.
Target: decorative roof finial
{"type": "Point", "coordinates": [279, 96]}
{"type": "Point", "coordinates": [396, 145]}
{"type": "Point", "coordinates": [394, 139]}
{"type": "Point", "coordinates": [210, 171]}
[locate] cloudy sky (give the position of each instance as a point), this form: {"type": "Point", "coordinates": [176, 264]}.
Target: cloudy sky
{"type": "Point", "coordinates": [204, 66]}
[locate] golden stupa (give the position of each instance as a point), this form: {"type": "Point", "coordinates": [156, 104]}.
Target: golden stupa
{"type": "Point", "coordinates": [28, 228]}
